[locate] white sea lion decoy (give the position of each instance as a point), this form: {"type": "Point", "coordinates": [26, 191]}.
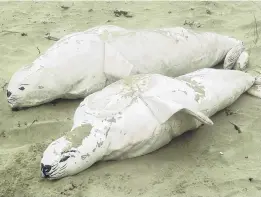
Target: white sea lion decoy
{"type": "Point", "coordinates": [140, 114]}
{"type": "Point", "coordinates": [84, 62]}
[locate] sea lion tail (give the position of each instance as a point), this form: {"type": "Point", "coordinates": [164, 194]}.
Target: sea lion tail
{"type": "Point", "coordinates": [255, 90]}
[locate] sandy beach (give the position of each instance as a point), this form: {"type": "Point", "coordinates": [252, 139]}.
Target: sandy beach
{"type": "Point", "coordinates": [213, 161]}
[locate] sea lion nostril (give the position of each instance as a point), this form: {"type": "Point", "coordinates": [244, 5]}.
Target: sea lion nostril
{"type": "Point", "coordinates": [46, 168]}
{"type": "Point", "coordinates": [8, 93]}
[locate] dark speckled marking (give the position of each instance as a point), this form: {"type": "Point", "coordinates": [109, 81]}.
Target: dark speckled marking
{"type": "Point", "coordinates": [108, 129]}
{"type": "Point", "coordinates": [112, 120]}
{"type": "Point", "coordinates": [78, 134]}
{"type": "Point", "coordinates": [198, 88]}
{"type": "Point", "coordinates": [84, 156]}
{"type": "Point", "coordinates": [99, 144]}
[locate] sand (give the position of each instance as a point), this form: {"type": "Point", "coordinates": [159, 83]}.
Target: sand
{"type": "Point", "coordinates": [210, 161]}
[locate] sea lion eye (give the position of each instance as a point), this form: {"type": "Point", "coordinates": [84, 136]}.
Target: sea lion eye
{"type": "Point", "coordinates": [64, 158]}
{"type": "Point", "coordinates": [21, 88]}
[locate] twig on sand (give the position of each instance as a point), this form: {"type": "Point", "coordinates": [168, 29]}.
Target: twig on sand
{"type": "Point", "coordinates": [7, 31]}
{"type": "Point", "coordinates": [256, 34]}
{"type": "Point", "coordinates": [65, 7]}
{"type": "Point", "coordinates": [4, 86]}
{"type": "Point", "coordinates": [256, 31]}
{"type": "Point", "coordinates": [33, 122]}
{"type": "Point", "coordinates": [2, 134]}
{"type": "Point", "coordinates": [13, 32]}
{"type": "Point", "coordinates": [118, 13]}
{"type": "Point", "coordinates": [229, 112]}
{"type": "Point", "coordinates": [48, 37]}
{"type": "Point", "coordinates": [236, 127]}
{"type": "Point", "coordinates": [38, 50]}
{"type": "Point", "coordinates": [256, 4]}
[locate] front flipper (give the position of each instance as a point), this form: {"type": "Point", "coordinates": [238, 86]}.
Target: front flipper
{"type": "Point", "coordinates": [164, 109]}
{"type": "Point", "coordinates": [233, 55]}
{"type": "Point", "coordinates": [199, 116]}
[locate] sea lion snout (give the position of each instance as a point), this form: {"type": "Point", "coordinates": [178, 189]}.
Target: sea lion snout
{"type": "Point", "coordinates": [45, 169]}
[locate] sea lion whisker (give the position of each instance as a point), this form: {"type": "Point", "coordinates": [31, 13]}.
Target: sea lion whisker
{"type": "Point", "coordinates": [53, 175]}
{"type": "Point", "coordinates": [63, 167]}
{"type": "Point", "coordinates": [55, 165]}
{"type": "Point", "coordinates": [50, 173]}
{"type": "Point", "coordinates": [58, 173]}
{"type": "Point", "coordinates": [57, 170]}
{"type": "Point", "coordinates": [54, 168]}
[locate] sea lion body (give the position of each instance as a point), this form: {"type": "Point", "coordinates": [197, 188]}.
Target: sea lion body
{"type": "Point", "coordinates": [85, 62]}
{"type": "Point", "coordinates": [140, 114]}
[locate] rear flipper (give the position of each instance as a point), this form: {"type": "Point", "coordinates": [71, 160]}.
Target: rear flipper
{"type": "Point", "coordinates": [237, 57]}
{"type": "Point", "coordinates": [255, 90]}
{"type": "Point", "coordinates": [258, 80]}
{"type": "Point", "coordinates": [242, 61]}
